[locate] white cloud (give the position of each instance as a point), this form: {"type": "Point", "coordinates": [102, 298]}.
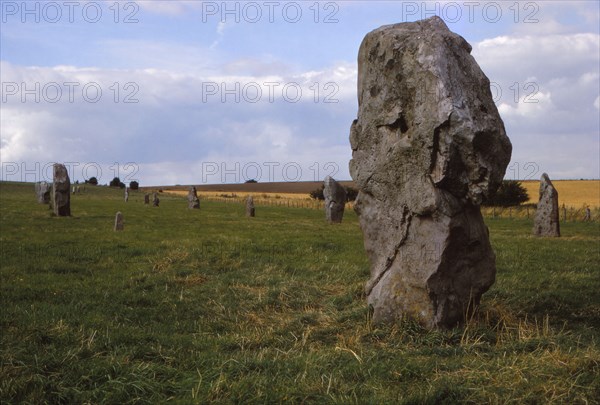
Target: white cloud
{"type": "Point", "coordinates": [177, 120]}
{"type": "Point", "coordinates": [546, 86]}
{"type": "Point", "coordinates": [168, 7]}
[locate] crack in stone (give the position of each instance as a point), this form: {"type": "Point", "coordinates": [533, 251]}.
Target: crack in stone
{"type": "Point", "coordinates": [406, 219]}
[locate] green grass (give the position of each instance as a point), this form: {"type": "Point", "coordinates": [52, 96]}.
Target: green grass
{"type": "Point", "coordinates": [197, 306]}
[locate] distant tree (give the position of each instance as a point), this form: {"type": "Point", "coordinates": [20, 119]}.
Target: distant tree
{"type": "Point", "coordinates": [134, 185]}
{"type": "Point", "coordinates": [251, 181]}
{"type": "Point", "coordinates": [351, 193]}
{"type": "Point", "coordinates": [317, 194]}
{"type": "Point", "coordinates": [92, 180]}
{"type": "Point", "coordinates": [510, 193]}
{"type": "Point", "coordinates": [116, 182]}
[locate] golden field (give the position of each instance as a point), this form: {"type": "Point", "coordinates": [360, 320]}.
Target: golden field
{"type": "Point", "coordinates": [572, 193]}
{"type": "Point", "coordinates": [243, 194]}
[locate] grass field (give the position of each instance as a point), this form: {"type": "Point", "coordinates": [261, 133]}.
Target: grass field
{"type": "Point", "coordinates": [198, 306]}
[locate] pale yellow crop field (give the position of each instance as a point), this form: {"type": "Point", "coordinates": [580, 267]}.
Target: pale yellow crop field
{"type": "Point", "coordinates": [243, 194]}
{"type": "Point", "coordinates": [572, 193]}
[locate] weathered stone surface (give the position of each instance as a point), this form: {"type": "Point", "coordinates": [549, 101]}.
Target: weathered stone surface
{"type": "Point", "coordinates": [119, 222]}
{"type": "Point", "coordinates": [42, 192]}
{"type": "Point", "coordinates": [146, 198]}
{"type": "Point", "coordinates": [546, 221]}
{"type": "Point", "coordinates": [61, 187]}
{"type": "Point", "coordinates": [428, 145]}
{"type": "Point", "coordinates": [155, 200]}
{"type": "Point", "coordinates": [335, 200]}
{"type": "Point", "coordinates": [250, 211]}
{"type": "Point", "coordinates": [193, 200]}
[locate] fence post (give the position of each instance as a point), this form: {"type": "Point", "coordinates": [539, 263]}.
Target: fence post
{"type": "Point", "coordinates": [564, 213]}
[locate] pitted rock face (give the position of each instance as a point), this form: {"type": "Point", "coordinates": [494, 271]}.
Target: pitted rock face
{"type": "Point", "coordinates": [335, 200]}
{"type": "Point", "coordinates": [61, 191]}
{"type": "Point", "coordinates": [428, 145]}
{"type": "Point", "coordinates": [546, 221]}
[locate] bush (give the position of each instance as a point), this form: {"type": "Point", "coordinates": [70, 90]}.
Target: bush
{"type": "Point", "coordinates": [317, 194]}
{"type": "Point", "coordinates": [92, 180]}
{"type": "Point", "coordinates": [134, 185]}
{"type": "Point", "coordinates": [510, 193]}
{"type": "Point", "coordinates": [351, 193]}
{"type": "Point", "coordinates": [251, 181]}
{"type": "Point", "coordinates": [116, 182]}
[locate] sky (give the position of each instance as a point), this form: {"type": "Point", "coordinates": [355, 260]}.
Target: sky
{"type": "Point", "coordinates": [168, 92]}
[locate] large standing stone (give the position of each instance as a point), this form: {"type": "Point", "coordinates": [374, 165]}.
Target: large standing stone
{"type": "Point", "coordinates": [335, 200]}
{"type": "Point", "coordinates": [250, 211]}
{"type": "Point", "coordinates": [61, 187]}
{"type": "Point", "coordinates": [546, 221]}
{"type": "Point", "coordinates": [193, 200]}
{"type": "Point", "coordinates": [119, 222]}
{"type": "Point", "coordinates": [42, 192]}
{"type": "Point", "coordinates": [155, 200]}
{"type": "Point", "coordinates": [146, 198]}
{"type": "Point", "coordinates": [428, 145]}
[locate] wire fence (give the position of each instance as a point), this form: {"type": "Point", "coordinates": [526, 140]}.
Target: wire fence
{"type": "Point", "coordinates": [566, 214]}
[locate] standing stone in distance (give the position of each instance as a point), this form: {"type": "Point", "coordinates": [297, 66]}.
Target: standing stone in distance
{"type": "Point", "coordinates": [146, 198]}
{"type": "Point", "coordinates": [42, 192]}
{"type": "Point", "coordinates": [126, 194]}
{"type": "Point", "coordinates": [119, 223]}
{"type": "Point", "coordinates": [155, 200]}
{"type": "Point", "coordinates": [335, 200]}
{"type": "Point", "coordinates": [193, 200]}
{"type": "Point", "coordinates": [428, 145]}
{"type": "Point", "coordinates": [61, 186]}
{"type": "Point", "coordinates": [546, 221]}
{"type": "Point", "coordinates": [250, 212]}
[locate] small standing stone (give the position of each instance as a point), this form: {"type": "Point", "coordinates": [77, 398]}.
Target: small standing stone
{"type": "Point", "coordinates": [250, 212]}
{"type": "Point", "coordinates": [155, 200]}
{"type": "Point", "coordinates": [42, 192]}
{"type": "Point", "coordinates": [193, 200]}
{"type": "Point", "coordinates": [546, 221]}
{"type": "Point", "coordinates": [335, 200]}
{"type": "Point", "coordinates": [146, 198]}
{"type": "Point", "coordinates": [126, 194]}
{"type": "Point", "coordinates": [119, 223]}
{"type": "Point", "coordinates": [74, 189]}
{"type": "Point", "coordinates": [79, 190]}
{"type": "Point", "coordinates": [588, 214]}
{"type": "Point", "coordinates": [61, 185]}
